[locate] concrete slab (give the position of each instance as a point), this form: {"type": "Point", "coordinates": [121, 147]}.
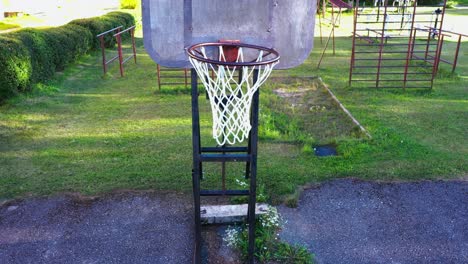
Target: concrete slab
{"type": "Point", "coordinates": [223, 214]}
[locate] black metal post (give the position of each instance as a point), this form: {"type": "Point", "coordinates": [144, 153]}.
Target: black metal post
{"type": "Point", "coordinates": [253, 170]}
{"type": "Point", "coordinates": [196, 172]}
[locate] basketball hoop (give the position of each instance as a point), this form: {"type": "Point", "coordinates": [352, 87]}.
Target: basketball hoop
{"type": "Point", "coordinates": [231, 97]}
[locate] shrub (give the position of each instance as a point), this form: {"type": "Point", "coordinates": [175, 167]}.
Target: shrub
{"type": "Point", "coordinates": [101, 24]}
{"type": "Point", "coordinates": [68, 43]}
{"type": "Point", "coordinates": [15, 67]}
{"type": "Point", "coordinates": [126, 19]}
{"type": "Point", "coordinates": [30, 55]}
{"type": "Point", "coordinates": [40, 53]}
{"type": "Point", "coordinates": [128, 4]}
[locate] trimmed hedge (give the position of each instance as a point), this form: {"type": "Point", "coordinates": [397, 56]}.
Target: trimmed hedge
{"type": "Point", "coordinates": [104, 23]}
{"type": "Point", "coordinates": [15, 67]}
{"type": "Point", "coordinates": [31, 55]}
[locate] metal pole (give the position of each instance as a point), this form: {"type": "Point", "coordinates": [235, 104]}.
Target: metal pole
{"type": "Point", "coordinates": [133, 44]}
{"type": "Point", "coordinates": [439, 44]}
{"type": "Point", "coordinates": [456, 54]}
{"type": "Point", "coordinates": [351, 64]}
{"type": "Point", "coordinates": [253, 173]}
{"type": "Point", "coordinates": [119, 49]}
{"type": "Point", "coordinates": [103, 49]}
{"type": "Point", "coordinates": [158, 72]}
{"type": "Point", "coordinates": [409, 54]}
{"type": "Point", "coordinates": [196, 165]}
{"type": "Point", "coordinates": [381, 48]}
{"type": "Point", "coordinates": [440, 51]}
{"type": "Point", "coordinates": [333, 28]}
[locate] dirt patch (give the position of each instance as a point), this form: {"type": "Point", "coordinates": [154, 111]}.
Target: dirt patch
{"type": "Point", "coordinates": [306, 101]}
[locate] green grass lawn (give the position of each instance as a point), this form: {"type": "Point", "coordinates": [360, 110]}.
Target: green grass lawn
{"type": "Point", "coordinates": [6, 26]}
{"type": "Point", "coordinates": [84, 133]}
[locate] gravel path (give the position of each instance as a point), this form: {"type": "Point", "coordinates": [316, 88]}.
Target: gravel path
{"type": "Point", "coordinates": [350, 221]}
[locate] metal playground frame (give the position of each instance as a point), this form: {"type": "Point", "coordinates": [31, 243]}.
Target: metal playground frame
{"type": "Point", "coordinates": [385, 50]}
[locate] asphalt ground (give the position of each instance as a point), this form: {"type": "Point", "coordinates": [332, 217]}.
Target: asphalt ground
{"type": "Point", "coordinates": [352, 221]}
{"type": "Point", "coordinates": [342, 221]}
{"type": "Point", "coordinates": [125, 227]}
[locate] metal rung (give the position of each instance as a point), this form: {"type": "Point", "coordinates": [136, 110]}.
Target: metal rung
{"type": "Point", "coordinates": [225, 157]}
{"type": "Point", "coordinates": [397, 52]}
{"type": "Point", "coordinates": [171, 69]}
{"type": "Point", "coordinates": [125, 60]}
{"type": "Point", "coordinates": [173, 83]}
{"type": "Point", "coordinates": [225, 192]}
{"type": "Point", "coordinates": [389, 73]}
{"type": "Point", "coordinates": [400, 66]}
{"type": "Point", "coordinates": [113, 59]}
{"type": "Point", "coordinates": [225, 149]}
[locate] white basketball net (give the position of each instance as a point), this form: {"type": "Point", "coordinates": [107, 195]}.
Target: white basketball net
{"type": "Point", "coordinates": [231, 97]}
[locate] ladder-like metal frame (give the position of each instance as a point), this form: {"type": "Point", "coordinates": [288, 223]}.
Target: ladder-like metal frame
{"type": "Point", "coordinates": [224, 154]}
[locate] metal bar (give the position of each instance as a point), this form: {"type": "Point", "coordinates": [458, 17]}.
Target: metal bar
{"type": "Point", "coordinates": [381, 48]}
{"type": "Point", "coordinates": [390, 45]}
{"type": "Point", "coordinates": [103, 50]}
{"type": "Point", "coordinates": [174, 77]}
{"type": "Point", "coordinates": [331, 35]}
{"type": "Point", "coordinates": [108, 31]}
{"type": "Point", "coordinates": [399, 87]}
{"type": "Point", "coordinates": [451, 32]}
{"type": "Point", "coordinates": [390, 22]}
{"type": "Point", "coordinates": [111, 60]}
{"type": "Point", "coordinates": [392, 80]}
{"type": "Point", "coordinates": [133, 44]}
{"type": "Point", "coordinates": [196, 174]}
{"type": "Point", "coordinates": [253, 173]}
{"type": "Point", "coordinates": [439, 45]}
{"type": "Point", "coordinates": [126, 59]}
{"type": "Point", "coordinates": [456, 53]}
{"type": "Point", "coordinates": [392, 73]}
{"type": "Point", "coordinates": [119, 49]}
{"type": "Point", "coordinates": [353, 49]}
{"type": "Point", "coordinates": [174, 83]}
{"type": "Point", "coordinates": [123, 31]}
{"type": "Point", "coordinates": [438, 59]}
{"type": "Point", "coordinates": [224, 149]}
{"type": "Point", "coordinates": [373, 67]}
{"type": "Point", "coordinates": [333, 28]}
{"type": "Point", "coordinates": [386, 52]}
{"type": "Point", "coordinates": [410, 51]}
{"type": "Point", "coordinates": [158, 72]}
{"type": "Point", "coordinates": [385, 59]}
{"type": "Point", "coordinates": [225, 157]}
{"type": "Point", "coordinates": [223, 192]}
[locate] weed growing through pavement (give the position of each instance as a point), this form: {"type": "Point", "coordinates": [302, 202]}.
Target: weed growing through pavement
{"type": "Point", "coordinates": [268, 246]}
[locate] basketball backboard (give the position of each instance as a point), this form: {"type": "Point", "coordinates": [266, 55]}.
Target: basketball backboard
{"type": "Point", "coordinates": [169, 26]}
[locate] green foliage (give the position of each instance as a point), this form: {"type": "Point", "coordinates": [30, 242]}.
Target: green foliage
{"type": "Point", "coordinates": [286, 253]}
{"type": "Point", "coordinates": [268, 247]}
{"type": "Point", "coordinates": [15, 67]}
{"type": "Point", "coordinates": [97, 25]}
{"type": "Point", "coordinates": [128, 4]}
{"type": "Point", "coordinates": [67, 43]}
{"type": "Point", "coordinates": [30, 56]}
{"type": "Point", "coordinates": [40, 53]}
